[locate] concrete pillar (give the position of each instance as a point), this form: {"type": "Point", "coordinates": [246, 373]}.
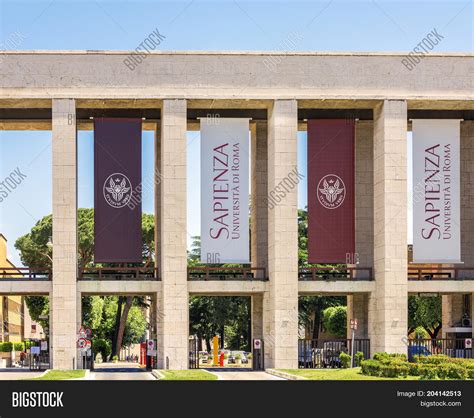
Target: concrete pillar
{"type": "Point", "coordinates": [388, 310]}
{"type": "Point", "coordinates": [364, 202]}
{"type": "Point", "coordinates": [257, 316]}
{"type": "Point", "coordinates": [281, 299]}
{"type": "Point", "coordinates": [63, 298]}
{"type": "Point", "coordinates": [259, 190]}
{"type": "Point", "coordinates": [157, 182]}
{"type": "Point", "coordinates": [471, 313]}
{"type": "Point", "coordinates": [452, 307]}
{"type": "Point", "coordinates": [467, 196]}
{"type": "Point", "coordinates": [173, 299]}
{"type": "Point", "coordinates": [358, 308]}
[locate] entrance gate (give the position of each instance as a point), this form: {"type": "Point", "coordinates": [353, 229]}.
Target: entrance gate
{"type": "Point", "coordinates": [37, 354]}
{"type": "Point", "coordinates": [316, 354]}
{"type": "Point", "coordinates": [193, 353]}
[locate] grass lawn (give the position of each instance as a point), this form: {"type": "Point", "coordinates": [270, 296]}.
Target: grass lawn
{"type": "Point", "coordinates": [62, 375]}
{"type": "Point", "coordinates": [338, 374]}
{"type": "Point", "coordinates": [187, 375]}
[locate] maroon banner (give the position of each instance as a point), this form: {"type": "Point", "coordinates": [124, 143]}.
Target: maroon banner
{"type": "Point", "coordinates": [331, 184]}
{"type": "Point", "coordinates": [117, 190]}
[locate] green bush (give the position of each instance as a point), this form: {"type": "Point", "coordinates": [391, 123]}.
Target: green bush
{"type": "Point", "coordinates": [414, 369]}
{"type": "Point", "coordinates": [427, 367]}
{"type": "Point", "coordinates": [470, 370]}
{"type": "Point", "coordinates": [345, 360]}
{"type": "Point", "coordinates": [394, 370]}
{"type": "Point", "coordinates": [370, 367]}
{"type": "Point", "coordinates": [358, 357]}
{"type": "Point", "coordinates": [435, 359]}
{"type": "Point", "coordinates": [6, 347]}
{"type": "Point", "coordinates": [19, 346]}
{"type": "Point", "coordinates": [388, 357]}
{"type": "Point", "coordinates": [428, 371]}
{"type": "Point", "coordinates": [456, 371]}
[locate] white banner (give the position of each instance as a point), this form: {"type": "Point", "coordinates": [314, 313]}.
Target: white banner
{"type": "Point", "coordinates": [436, 191]}
{"type": "Point", "coordinates": [224, 190]}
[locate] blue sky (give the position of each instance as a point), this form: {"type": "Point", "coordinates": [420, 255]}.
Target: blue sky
{"type": "Point", "coordinates": [196, 25]}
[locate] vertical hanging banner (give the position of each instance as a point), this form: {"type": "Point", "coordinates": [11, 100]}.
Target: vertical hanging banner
{"type": "Point", "coordinates": [117, 190]}
{"type": "Point", "coordinates": [331, 184]}
{"type": "Point", "coordinates": [224, 190]}
{"type": "Point", "coordinates": [436, 191]}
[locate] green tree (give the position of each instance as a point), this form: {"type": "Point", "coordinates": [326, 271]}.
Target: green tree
{"type": "Point", "coordinates": [310, 311]}
{"type": "Point", "coordinates": [335, 320]}
{"type": "Point", "coordinates": [225, 316]}
{"type": "Point", "coordinates": [425, 312]}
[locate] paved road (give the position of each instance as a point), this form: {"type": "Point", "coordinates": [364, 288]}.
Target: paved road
{"type": "Point", "coordinates": [18, 374]}
{"type": "Point", "coordinates": [242, 374]}
{"type": "Point", "coordinates": [120, 371]}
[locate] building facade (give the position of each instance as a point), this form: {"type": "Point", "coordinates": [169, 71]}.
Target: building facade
{"type": "Point", "coordinates": [62, 91]}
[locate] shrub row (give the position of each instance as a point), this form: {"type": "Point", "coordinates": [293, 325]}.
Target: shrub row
{"type": "Point", "coordinates": [398, 368]}
{"type": "Point", "coordinates": [7, 347]}
{"type": "Point", "coordinates": [428, 367]}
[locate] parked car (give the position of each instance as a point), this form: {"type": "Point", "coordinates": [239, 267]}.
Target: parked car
{"type": "Point", "coordinates": [418, 350]}
{"type": "Point", "coordinates": [243, 358]}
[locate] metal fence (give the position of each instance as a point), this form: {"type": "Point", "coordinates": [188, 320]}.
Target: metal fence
{"type": "Point", "coordinates": [335, 273]}
{"type": "Point", "coordinates": [316, 354]}
{"type": "Point", "coordinates": [451, 347]}
{"type": "Point", "coordinates": [206, 273]}
{"type": "Point", "coordinates": [25, 273]}
{"type": "Point", "coordinates": [119, 273]}
{"type": "Point", "coordinates": [440, 273]}
{"type": "Point", "coordinates": [193, 353]}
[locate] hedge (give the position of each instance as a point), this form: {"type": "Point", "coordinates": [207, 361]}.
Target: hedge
{"type": "Point", "coordinates": [429, 367]}
{"type": "Point", "coordinates": [6, 347]}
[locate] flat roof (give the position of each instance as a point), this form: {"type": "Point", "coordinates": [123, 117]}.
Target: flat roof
{"type": "Point", "coordinates": [257, 53]}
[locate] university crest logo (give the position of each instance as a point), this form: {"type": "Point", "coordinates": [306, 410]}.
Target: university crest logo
{"type": "Point", "coordinates": [117, 190]}
{"type": "Point", "coordinates": [331, 191]}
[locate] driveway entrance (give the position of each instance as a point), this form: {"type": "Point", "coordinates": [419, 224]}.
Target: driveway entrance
{"type": "Point", "coordinates": [120, 371]}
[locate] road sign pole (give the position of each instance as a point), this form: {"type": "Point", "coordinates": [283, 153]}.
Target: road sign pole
{"type": "Point", "coordinates": [352, 347]}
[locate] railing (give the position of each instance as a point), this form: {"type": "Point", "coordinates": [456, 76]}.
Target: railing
{"type": "Point", "coordinates": [205, 273]}
{"type": "Point", "coordinates": [335, 273]}
{"type": "Point", "coordinates": [317, 354]}
{"type": "Point", "coordinates": [441, 273]}
{"type": "Point", "coordinates": [118, 273]}
{"type": "Point", "coordinates": [25, 274]}
{"type": "Point", "coordinates": [451, 347]}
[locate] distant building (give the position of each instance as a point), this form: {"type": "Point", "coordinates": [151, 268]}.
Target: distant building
{"type": "Point", "coordinates": [16, 323]}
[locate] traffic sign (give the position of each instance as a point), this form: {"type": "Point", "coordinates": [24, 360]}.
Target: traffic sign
{"type": "Point", "coordinates": [354, 324]}
{"type": "Point", "coordinates": [468, 342]}
{"type": "Point", "coordinates": [257, 344]}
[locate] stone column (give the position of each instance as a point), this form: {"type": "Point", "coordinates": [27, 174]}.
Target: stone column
{"type": "Point", "coordinates": [173, 299]}
{"type": "Point", "coordinates": [358, 308]}
{"type": "Point", "coordinates": [451, 311]}
{"type": "Point", "coordinates": [157, 183]}
{"type": "Point", "coordinates": [471, 314]}
{"type": "Point", "coordinates": [257, 316]}
{"type": "Point", "coordinates": [281, 299]}
{"type": "Point", "coordinates": [388, 309]}
{"type": "Point", "coordinates": [259, 189]}
{"type": "Point", "coordinates": [63, 298]}
{"type": "Point", "coordinates": [467, 196]}
{"type": "Point", "coordinates": [364, 202]}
